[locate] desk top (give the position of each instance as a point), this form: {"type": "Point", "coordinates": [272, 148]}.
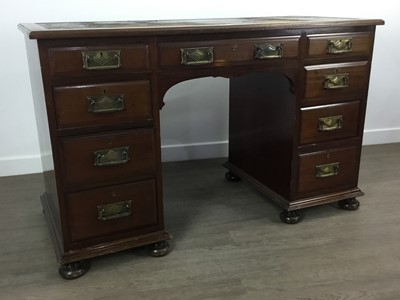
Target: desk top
{"type": "Point", "coordinates": [166, 27]}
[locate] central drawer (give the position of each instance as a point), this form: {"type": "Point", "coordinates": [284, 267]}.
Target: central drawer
{"type": "Point", "coordinates": [114, 210]}
{"type": "Point", "coordinates": [108, 158]}
{"type": "Point", "coordinates": [221, 52]}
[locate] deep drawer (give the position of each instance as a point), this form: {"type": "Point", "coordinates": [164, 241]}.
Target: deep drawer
{"type": "Point", "coordinates": [328, 171]}
{"type": "Point", "coordinates": [340, 44]}
{"type": "Point", "coordinates": [98, 104]}
{"type": "Point", "coordinates": [108, 158]}
{"type": "Point", "coordinates": [113, 210]}
{"type": "Point", "coordinates": [339, 81]}
{"type": "Point", "coordinates": [327, 122]}
{"type": "Point", "coordinates": [217, 53]}
{"type": "Point", "coordinates": [87, 60]}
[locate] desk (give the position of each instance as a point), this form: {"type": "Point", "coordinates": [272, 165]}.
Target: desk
{"type": "Point", "coordinates": [298, 93]}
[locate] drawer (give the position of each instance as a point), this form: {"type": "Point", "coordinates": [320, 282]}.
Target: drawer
{"type": "Point", "coordinates": [221, 52]}
{"type": "Point", "coordinates": [108, 158]}
{"type": "Point", "coordinates": [327, 122]}
{"type": "Point", "coordinates": [345, 80]}
{"type": "Point", "coordinates": [112, 210]}
{"type": "Point", "coordinates": [87, 60]}
{"type": "Point", "coordinates": [328, 171]}
{"type": "Point", "coordinates": [340, 44]}
{"type": "Point", "coordinates": [99, 104]}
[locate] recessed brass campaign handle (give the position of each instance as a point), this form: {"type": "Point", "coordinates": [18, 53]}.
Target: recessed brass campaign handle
{"type": "Point", "coordinates": [336, 81]}
{"type": "Point", "coordinates": [330, 123]}
{"type": "Point", "coordinates": [266, 51]}
{"type": "Point", "coordinates": [105, 104]}
{"type": "Point", "coordinates": [327, 170]}
{"type": "Point", "coordinates": [114, 210]}
{"type": "Point", "coordinates": [111, 157]}
{"type": "Point", "coordinates": [338, 46]}
{"type": "Point", "coordinates": [197, 56]}
{"type": "Point", "coordinates": [101, 60]}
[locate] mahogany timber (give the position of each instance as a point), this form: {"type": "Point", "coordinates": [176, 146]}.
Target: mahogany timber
{"type": "Point", "coordinates": [276, 105]}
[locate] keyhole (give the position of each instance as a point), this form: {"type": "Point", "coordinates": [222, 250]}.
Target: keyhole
{"type": "Point", "coordinates": [109, 141]}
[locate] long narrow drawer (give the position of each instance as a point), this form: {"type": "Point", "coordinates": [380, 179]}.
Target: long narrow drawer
{"type": "Point", "coordinates": [216, 53]}
{"type": "Point", "coordinates": [340, 44]}
{"type": "Point", "coordinates": [341, 81]}
{"type": "Point", "coordinates": [328, 171]}
{"type": "Point", "coordinates": [112, 210]}
{"type": "Point", "coordinates": [328, 122]}
{"type": "Point", "coordinates": [86, 60]}
{"type": "Point", "coordinates": [107, 158]}
{"type": "Point", "coordinates": [99, 104]}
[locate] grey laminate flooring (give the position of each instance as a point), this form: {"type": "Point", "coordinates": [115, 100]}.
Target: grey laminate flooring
{"type": "Point", "coordinates": [229, 243]}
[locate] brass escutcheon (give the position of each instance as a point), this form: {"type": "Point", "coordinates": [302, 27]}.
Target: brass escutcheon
{"type": "Point", "coordinates": [327, 170]}
{"type": "Point", "coordinates": [197, 56]}
{"type": "Point", "coordinates": [267, 51]}
{"type": "Point", "coordinates": [105, 103]}
{"type": "Point", "coordinates": [101, 60]}
{"type": "Point", "coordinates": [330, 123]}
{"type": "Point", "coordinates": [336, 81]}
{"type": "Point", "coordinates": [337, 46]}
{"type": "Point", "coordinates": [114, 211]}
{"type": "Point", "coordinates": [111, 157]}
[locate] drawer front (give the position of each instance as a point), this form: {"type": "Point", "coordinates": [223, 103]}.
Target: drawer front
{"type": "Point", "coordinates": [91, 105]}
{"type": "Point", "coordinates": [345, 80]}
{"type": "Point", "coordinates": [106, 159]}
{"type": "Point", "coordinates": [340, 45]}
{"type": "Point", "coordinates": [113, 210]}
{"type": "Point", "coordinates": [322, 123]}
{"type": "Point", "coordinates": [87, 60]}
{"type": "Point", "coordinates": [217, 53]}
{"type": "Point", "coordinates": [327, 171]}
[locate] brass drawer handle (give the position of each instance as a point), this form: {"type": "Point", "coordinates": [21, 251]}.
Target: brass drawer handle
{"type": "Point", "coordinates": [197, 56]}
{"type": "Point", "coordinates": [111, 157]}
{"type": "Point", "coordinates": [330, 123]}
{"type": "Point", "coordinates": [101, 60]}
{"type": "Point", "coordinates": [266, 51]}
{"type": "Point", "coordinates": [327, 170]}
{"type": "Point", "coordinates": [114, 210]}
{"type": "Point", "coordinates": [338, 46]}
{"type": "Point", "coordinates": [336, 81]}
{"type": "Point", "coordinates": [105, 104]}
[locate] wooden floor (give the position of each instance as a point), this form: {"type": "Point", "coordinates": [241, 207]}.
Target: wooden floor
{"type": "Point", "coordinates": [229, 243]}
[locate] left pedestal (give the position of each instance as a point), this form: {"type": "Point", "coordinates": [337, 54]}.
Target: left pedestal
{"type": "Point", "coordinates": [98, 130]}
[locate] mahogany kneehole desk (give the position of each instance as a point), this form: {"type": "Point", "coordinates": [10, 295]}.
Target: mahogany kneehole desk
{"type": "Point", "coordinates": [298, 93]}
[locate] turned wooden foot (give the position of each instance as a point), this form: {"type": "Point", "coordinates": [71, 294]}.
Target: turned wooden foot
{"type": "Point", "coordinates": [74, 270]}
{"type": "Point", "coordinates": [159, 249]}
{"type": "Point", "coordinates": [230, 176]}
{"type": "Point", "coordinates": [291, 217]}
{"type": "Point", "coordinates": [349, 204]}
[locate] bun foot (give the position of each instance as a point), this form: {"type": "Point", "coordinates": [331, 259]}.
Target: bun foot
{"type": "Point", "coordinates": [349, 204]}
{"type": "Point", "coordinates": [159, 249]}
{"type": "Point", "coordinates": [74, 270]}
{"type": "Point", "coordinates": [291, 217]}
{"type": "Point", "coordinates": [230, 176]}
